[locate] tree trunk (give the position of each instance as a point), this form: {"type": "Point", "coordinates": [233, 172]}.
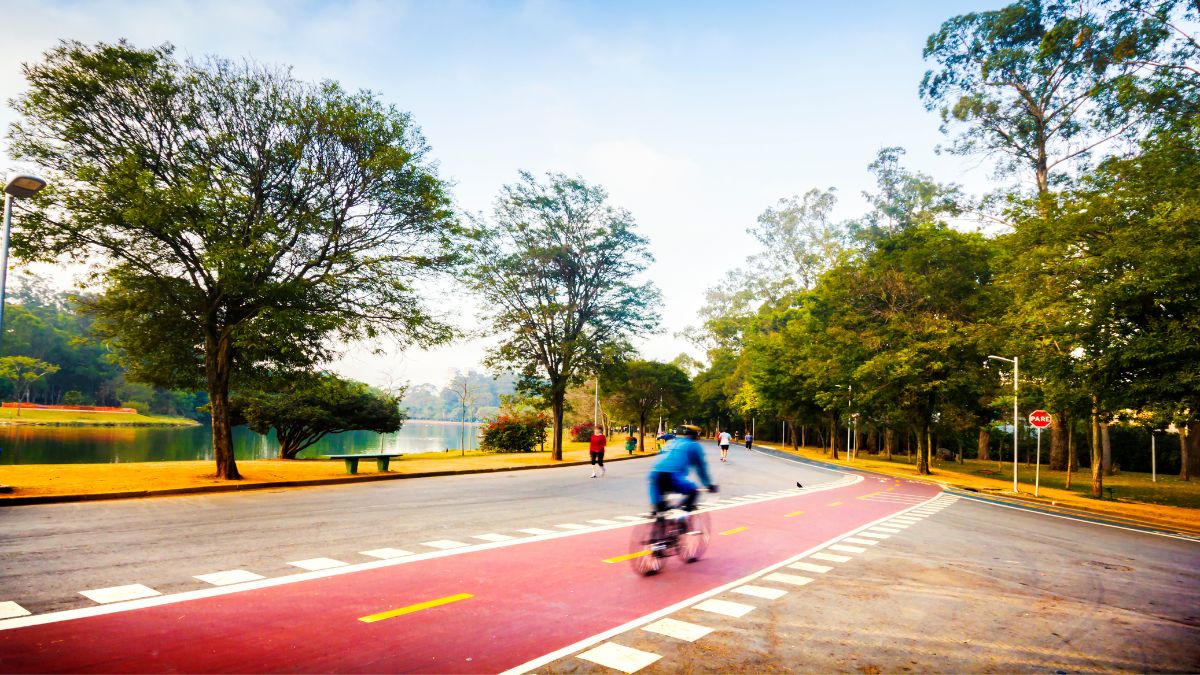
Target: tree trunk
{"type": "Point", "coordinates": [1072, 461]}
{"type": "Point", "coordinates": [803, 435]}
{"type": "Point", "coordinates": [1192, 441]}
{"type": "Point", "coordinates": [834, 437]}
{"type": "Point", "coordinates": [924, 440]}
{"type": "Point", "coordinates": [642, 433]}
{"type": "Point", "coordinates": [1106, 449]}
{"type": "Point", "coordinates": [984, 444]}
{"type": "Point", "coordinates": [889, 443]}
{"type": "Point", "coordinates": [1058, 441]}
{"type": "Point", "coordinates": [1097, 454]}
{"type": "Point", "coordinates": [556, 407]}
{"type": "Point", "coordinates": [218, 366]}
{"type": "Point", "coordinates": [1185, 456]}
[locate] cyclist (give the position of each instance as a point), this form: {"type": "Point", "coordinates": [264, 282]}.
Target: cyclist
{"type": "Point", "coordinates": [670, 474]}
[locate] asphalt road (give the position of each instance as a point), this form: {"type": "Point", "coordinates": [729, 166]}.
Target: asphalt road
{"type": "Point", "coordinates": [955, 585]}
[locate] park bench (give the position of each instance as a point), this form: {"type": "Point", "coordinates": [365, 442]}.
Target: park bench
{"type": "Point", "coordinates": [381, 460]}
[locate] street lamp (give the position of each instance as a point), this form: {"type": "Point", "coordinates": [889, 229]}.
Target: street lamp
{"type": "Point", "coordinates": [853, 417]}
{"type": "Point", "coordinates": [1016, 418]}
{"type": "Point", "coordinates": [23, 186]}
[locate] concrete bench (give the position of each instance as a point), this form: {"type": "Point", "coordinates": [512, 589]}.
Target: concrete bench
{"type": "Point", "coordinates": [381, 460]}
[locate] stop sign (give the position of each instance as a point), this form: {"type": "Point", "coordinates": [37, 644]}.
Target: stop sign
{"type": "Point", "coordinates": [1039, 419]}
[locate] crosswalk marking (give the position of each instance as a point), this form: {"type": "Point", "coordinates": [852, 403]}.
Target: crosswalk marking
{"type": "Point", "coordinates": [228, 577]}
{"type": "Point", "coordinates": [387, 553]}
{"type": "Point", "coordinates": [571, 526]}
{"type": "Point", "coordinates": [809, 567]}
{"type": "Point", "coordinates": [847, 549]}
{"type": "Point", "coordinates": [536, 530]}
{"type": "Point", "coordinates": [314, 564]}
{"type": "Point", "coordinates": [873, 533]}
{"type": "Point", "coordinates": [619, 657]}
{"type": "Point", "coordinates": [444, 544]}
{"type": "Point", "coordinates": [680, 630]}
{"type": "Point", "coordinates": [724, 607]}
{"type": "Point", "coordinates": [784, 578]}
{"type": "Point", "coordinates": [856, 540]}
{"type": "Point", "coordinates": [10, 609]}
{"type": "Point", "coordinates": [491, 536]}
{"type": "Point", "coordinates": [105, 596]}
{"type": "Point", "coordinates": [760, 591]}
{"type": "Point", "coordinates": [831, 557]}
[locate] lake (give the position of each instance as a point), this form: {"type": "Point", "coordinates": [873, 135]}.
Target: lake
{"type": "Point", "coordinates": [101, 445]}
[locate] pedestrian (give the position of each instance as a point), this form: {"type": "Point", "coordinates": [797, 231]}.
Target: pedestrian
{"type": "Point", "coordinates": [630, 444]}
{"type": "Point", "coordinates": [723, 440]}
{"type": "Point", "coordinates": [749, 440]}
{"type": "Point", "coordinates": [596, 450]}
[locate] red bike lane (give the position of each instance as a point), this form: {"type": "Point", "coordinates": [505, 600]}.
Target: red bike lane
{"type": "Point", "coordinates": [484, 610]}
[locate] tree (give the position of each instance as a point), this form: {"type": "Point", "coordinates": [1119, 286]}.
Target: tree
{"type": "Point", "coordinates": [556, 269]}
{"type": "Point", "coordinates": [23, 371]}
{"type": "Point", "coordinates": [307, 408]}
{"type": "Point", "coordinates": [242, 221]}
{"type": "Point", "coordinates": [643, 387]}
{"type": "Point", "coordinates": [1028, 83]}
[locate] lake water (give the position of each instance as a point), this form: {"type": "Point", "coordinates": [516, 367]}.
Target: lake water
{"type": "Point", "coordinates": [100, 445]}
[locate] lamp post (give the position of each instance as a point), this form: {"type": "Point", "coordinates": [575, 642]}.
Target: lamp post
{"type": "Point", "coordinates": [853, 417]}
{"type": "Point", "coordinates": [23, 186]}
{"type": "Point", "coordinates": [1016, 419]}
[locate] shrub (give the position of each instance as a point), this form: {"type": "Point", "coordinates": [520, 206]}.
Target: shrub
{"type": "Point", "coordinates": [72, 398]}
{"type": "Point", "coordinates": [582, 431]}
{"type": "Point", "coordinates": [515, 433]}
{"type": "Point", "coordinates": [141, 406]}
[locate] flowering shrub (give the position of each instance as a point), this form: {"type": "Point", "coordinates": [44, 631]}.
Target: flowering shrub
{"type": "Point", "coordinates": [582, 431]}
{"type": "Point", "coordinates": [515, 433]}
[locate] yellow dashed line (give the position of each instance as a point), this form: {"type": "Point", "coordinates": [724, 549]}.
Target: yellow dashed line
{"type": "Point", "coordinates": [870, 495]}
{"type": "Point", "coordinates": [834, 504]}
{"type": "Point", "coordinates": [415, 608]}
{"type": "Point", "coordinates": [794, 513]}
{"type": "Point", "coordinates": [735, 530]}
{"type": "Point", "coordinates": [627, 556]}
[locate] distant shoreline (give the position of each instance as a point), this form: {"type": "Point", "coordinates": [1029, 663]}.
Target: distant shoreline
{"type": "Point", "coordinates": [445, 422]}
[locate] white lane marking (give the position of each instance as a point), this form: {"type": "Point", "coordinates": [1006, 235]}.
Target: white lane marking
{"type": "Point", "coordinates": [315, 564]}
{"type": "Point", "coordinates": [537, 530]}
{"type": "Point", "coordinates": [491, 536]}
{"type": "Point", "coordinates": [894, 524]}
{"type": "Point", "coordinates": [228, 577]}
{"type": "Point", "coordinates": [907, 519]}
{"type": "Point", "coordinates": [784, 578]}
{"type": "Point", "coordinates": [387, 554]}
{"type": "Point", "coordinates": [880, 528]}
{"type": "Point", "coordinates": [831, 557]}
{"type": "Point", "coordinates": [760, 592]}
{"type": "Point", "coordinates": [872, 533]}
{"type": "Point", "coordinates": [571, 526]}
{"type": "Point", "coordinates": [680, 630]}
{"type": "Point", "coordinates": [856, 540]}
{"type": "Point", "coordinates": [604, 521]}
{"type": "Point", "coordinates": [620, 657]}
{"type": "Point", "coordinates": [847, 549]}
{"type": "Point", "coordinates": [119, 593]}
{"type": "Point", "coordinates": [631, 518]}
{"type": "Point", "coordinates": [9, 609]}
{"type": "Point", "coordinates": [809, 567]}
{"type": "Point", "coordinates": [444, 544]}
{"type": "Point", "coordinates": [724, 607]}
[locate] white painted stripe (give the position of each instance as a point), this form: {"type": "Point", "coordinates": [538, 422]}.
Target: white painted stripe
{"type": "Point", "coordinates": [784, 578]}
{"type": "Point", "coordinates": [847, 549]}
{"type": "Point", "coordinates": [571, 526]}
{"type": "Point", "coordinates": [228, 577]}
{"type": "Point", "coordinates": [604, 521]}
{"type": "Point", "coordinates": [760, 592]}
{"type": "Point", "coordinates": [9, 609]}
{"type": "Point", "coordinates": [856, 540]}
{"type": "Point", "coordinates": [537, 530]}
{"type": "Point", "coordinates": [894, 524]}
{"type": "Point", "coordinates": [314, 564]}
{"type": "Point", "coordinates": [491, 536]}
{"type": "Point", "coordinates": [680, 630]}
{"type": "Point", "coordinates": [831, 557]}
{"type": "Point", "coordinates": [881, 528]}
{"type": "Point", "coordinates": [119, 593]}
{"type": "Point", "coordinates": [872, 533]}
{"type": "Point", "coordinates": [619, 657]}
{"type": "Point", "coordinates": [444, 544]}
{"type": "Point", "coordinates": [387, 553]}
{"type": "Point", "coordinates": [631, 518]}
{"type": "Point", "coordinates": [724, 607]}
{"type": "Point", "coordinates": [809, 567]}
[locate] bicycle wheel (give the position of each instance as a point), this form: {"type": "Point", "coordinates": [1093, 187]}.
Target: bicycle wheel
{"type": "Point", "coordinates": [641, 558]}
{"type": "Point", "coordinates": [694, 542]}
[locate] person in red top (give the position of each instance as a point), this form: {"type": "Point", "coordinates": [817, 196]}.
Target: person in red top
{"type": "Point", "coordinates": [596, 450]}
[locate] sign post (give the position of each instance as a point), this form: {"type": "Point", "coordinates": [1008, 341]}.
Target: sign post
{"type": "Point", "coordinates": [1039, 419]}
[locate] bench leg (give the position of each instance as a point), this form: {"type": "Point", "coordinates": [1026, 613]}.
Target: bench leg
{"type": "Point", "coordinates": [351, 465]}
{"type": "Point", "coordinates": [382, 462]}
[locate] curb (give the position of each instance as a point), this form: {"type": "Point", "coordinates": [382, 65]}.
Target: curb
{"type": "Point", "coordinates": [236, 487]}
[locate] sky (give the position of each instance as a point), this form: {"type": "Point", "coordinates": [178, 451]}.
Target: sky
{"type": "Point", "coordinates": [694, 116]}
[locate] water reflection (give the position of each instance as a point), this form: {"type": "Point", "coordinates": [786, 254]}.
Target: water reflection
{"type": "Point", "coordinates": [98, 445]}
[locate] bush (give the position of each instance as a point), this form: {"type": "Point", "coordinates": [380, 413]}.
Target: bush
{"type": "Point", "coordinates": [72, 398]}
{"type": "Point", "coordinates": [141, 406]}
{"type": "Point", "coordinates": [582, 431]}
{"type": "Point", "coordinates": [515, 433]}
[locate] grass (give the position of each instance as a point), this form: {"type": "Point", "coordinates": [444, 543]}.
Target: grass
{"type": "Point", "coordinates": [87, 418]}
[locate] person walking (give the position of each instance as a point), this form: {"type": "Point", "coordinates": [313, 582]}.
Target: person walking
{"type": "Point", "coordinates": [749, 440]}
{"type": "Point", "coordinates": [723, 440]}
{"type": "Point", "coordinates": [596, 450]}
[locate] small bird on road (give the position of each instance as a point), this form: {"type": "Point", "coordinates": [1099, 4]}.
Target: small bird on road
{"type": "Point", "coordinates": [799, 485]}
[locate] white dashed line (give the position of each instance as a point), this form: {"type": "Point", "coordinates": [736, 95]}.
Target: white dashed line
{"type": "Point", "coordinates": [444, 544]}
{"type": "Point", "coordinates": [493, 537]}
{"type": "Point", "coordinates": [809, 567]}
{"type": "Point", "coordinates": [386, 553]}
{"type": "Point", "coordinates": [873, 533]}
{"type": "Point", "coordinates": [631, 518]}
{"type": "Point", "coordinates": [228, 577]}
{"type": "Point", "coordinates": [880, 528]}
{"type": "Point", "coordinates": [724, 607]}
{"type": "Point", "coordinates": [619, 657]}
{"type": "Point", "coordinates": [847, 549]}
{"type": "Point", "coordinates": [571, 526]}
{"type": "Point", "coordinates": [119, 593]}
{"type": "Point", "coordinates": [793, 579]}
{"type": "Point", "coordinates": [831, 557]}
{"type": "Point", "coordinates": [856, 540]}
{"type": "Point", "coordinates": [604, 521]}
{"type": "Point", "coordinates": [760, 592]}
{"type": "Point", "coordinates": [536, 530]}
{"type": "Point", "coordinates": [10, 609]}
{"type": "Point", "coordinates": [314, 564]}
{"type": "Point", "coordinates": [680, 630]}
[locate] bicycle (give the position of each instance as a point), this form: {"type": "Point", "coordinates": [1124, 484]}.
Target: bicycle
{"type": "Point", "coordinates": [674, 533]}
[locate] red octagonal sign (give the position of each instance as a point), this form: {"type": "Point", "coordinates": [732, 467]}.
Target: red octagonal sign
{"type": "Point", "coordinates": [1039, 419]}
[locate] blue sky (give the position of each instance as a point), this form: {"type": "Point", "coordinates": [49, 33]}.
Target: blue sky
{"type": "Point", "coordinates": [696, 116]}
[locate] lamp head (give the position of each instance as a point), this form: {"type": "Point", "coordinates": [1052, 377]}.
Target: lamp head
{"type": "Point", "coordinates": [24, 185]}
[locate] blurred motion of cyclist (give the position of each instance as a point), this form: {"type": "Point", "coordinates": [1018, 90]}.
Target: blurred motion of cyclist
{"type": "Point", "coordinates": [670, 474]}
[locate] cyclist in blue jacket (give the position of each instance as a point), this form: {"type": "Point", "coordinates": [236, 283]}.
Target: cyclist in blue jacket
{"type": "Point", "coordinates": [670, 474]}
